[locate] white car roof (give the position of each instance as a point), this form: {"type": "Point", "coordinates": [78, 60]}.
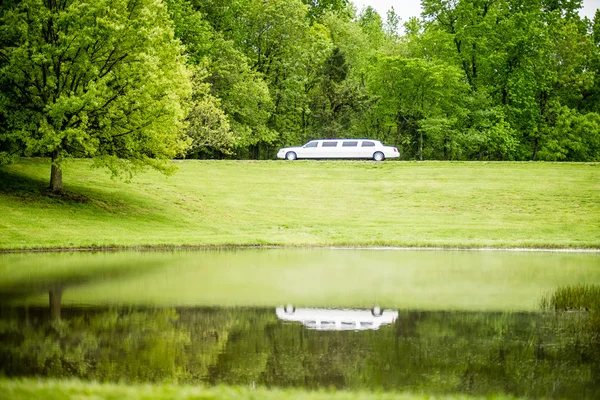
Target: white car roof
{"type": "Point", "coordinates": [327, 140]}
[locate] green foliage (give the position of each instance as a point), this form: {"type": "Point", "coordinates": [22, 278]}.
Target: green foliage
{"type": "Point", "coordinates": [276, 38]}
{"type": "Point", "coordinates": [208, 126]}
{"type": "Point", "coordinates": [245, 96]}
{"type": "Point", "coordinates": [317, 8]}
{"type": "Point", "coordinates": [485, 134]}
{"type": "Point", "coordinates": [338, 101]}
{"type": "Point", "coordinates": [532, 58]}
{"type": "Point", "coordinates": [416, 105]}
{"type": "Point", "coordinates": [104, 79]}
{"type": "Point", "coordinates": [573, 136]}
{"type": "Point", "coordinates": [523, 79]}
{"type": "Point", "coordinates": [231, 102]}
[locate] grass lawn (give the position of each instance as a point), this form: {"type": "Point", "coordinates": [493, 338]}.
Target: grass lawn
{"type": "Point", "coordinates": [72, 389]}
{"type": "Point", "coordinates": [306, 203]}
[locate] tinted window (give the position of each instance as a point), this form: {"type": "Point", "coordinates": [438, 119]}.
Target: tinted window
{"type": "Point", "coordinates": [327, 324]}
{"type": "Point", "coordinates": [311, 144]}
{"type": "Point", "coordinates": [329, 144]}
{"type": "Point", "coordinates": [348, 325]}
{"type": "Point", "coordinates": [368, 144]}
{"type": "Point", "coordinates": [349, 144]}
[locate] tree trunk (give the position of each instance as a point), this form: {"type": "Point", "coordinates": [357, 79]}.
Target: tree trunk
{"type": "Point", "coordinates": [56, 183]}
{"type": "Point", "coordinates": [421, 146]}
{"type": "Point", "coordinates": [55, 297]}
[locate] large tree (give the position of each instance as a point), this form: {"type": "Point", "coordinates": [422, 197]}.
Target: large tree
{"type": "Point", "coordinates": [534, 61]}
{"type": "Point", "coordinates": [102, 79]}
{"type": "Point", "coordinates": [417, 99]}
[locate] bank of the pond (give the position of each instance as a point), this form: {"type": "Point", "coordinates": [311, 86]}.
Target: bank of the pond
{"type": "Point", "coordinates": [163, 248]}
{"type": "Point", "coordinates": [312, 203]}
{"type": "Point", "coordinates": [27, 389]}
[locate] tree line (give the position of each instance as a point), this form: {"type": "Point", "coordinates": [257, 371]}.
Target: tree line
{"type": "Point", "coordinates": [132, 83]}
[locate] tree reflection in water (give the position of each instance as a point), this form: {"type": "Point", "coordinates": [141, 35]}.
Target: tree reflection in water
{"type": "Point", "coordinates": [524, 354]}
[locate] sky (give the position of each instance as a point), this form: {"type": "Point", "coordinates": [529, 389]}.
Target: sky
{"type": "Point", "coordinates": [412, 8]}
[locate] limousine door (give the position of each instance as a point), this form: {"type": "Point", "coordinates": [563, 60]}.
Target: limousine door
{"type": "Point", "coordinates": [367, 148]}
{"type": "Point", "coordinates": [350, 149]}
{"type": "Point", "coordinates": [329, 149]}
{"type": "Point", "coordinates": [309, 150]}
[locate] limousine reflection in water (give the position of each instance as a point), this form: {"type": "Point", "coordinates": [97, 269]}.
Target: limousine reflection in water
{"type": "Point", "coordinates": [337, 319]}
{"type": "Point", "coordinates": [340, 148]}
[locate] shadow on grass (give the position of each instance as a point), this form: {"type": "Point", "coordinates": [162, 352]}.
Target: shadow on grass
{"type": "Point", "coordinates": [25, 186]}
{"type": "Point", "coordinates": [31, 190]}
{"type": "Point", "coordinates": [20, 185]}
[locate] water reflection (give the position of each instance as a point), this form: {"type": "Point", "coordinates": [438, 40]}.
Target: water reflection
{"type": "Point", "coordinates": [340, 319]}
{"type": "Point", "coordinates": [480, 353]}
{"type": "Point", "coordinates": [427, 280]}
{"type": "Point", "coordinates": [45, 332]}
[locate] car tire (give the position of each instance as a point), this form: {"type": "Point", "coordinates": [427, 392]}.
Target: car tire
{"type": "Point", "coordinates": [290, 156]}
{"type": "Point", "coordinates": [376, 311]}
{"type": "Point", "coordinates": [378, 156]}
{"type": "Point", "coordinates": [289, 309]}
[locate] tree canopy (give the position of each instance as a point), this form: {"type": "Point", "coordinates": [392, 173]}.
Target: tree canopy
{"type": "Point", "coordinates": [101, 79]}
{"type": "Point", "coordinates": [136, 82]}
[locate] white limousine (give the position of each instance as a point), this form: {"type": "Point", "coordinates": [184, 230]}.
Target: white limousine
{"type": "Point", "coordinates": [340, 148]}
{"type": "Point", "coordinates": [327, 319]}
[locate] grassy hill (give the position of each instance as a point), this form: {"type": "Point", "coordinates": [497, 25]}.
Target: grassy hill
{"type": "Point", "coordinates": [305, 203]}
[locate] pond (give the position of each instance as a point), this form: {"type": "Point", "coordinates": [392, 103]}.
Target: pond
{"type": "Point", "coordinates": [421, 321]}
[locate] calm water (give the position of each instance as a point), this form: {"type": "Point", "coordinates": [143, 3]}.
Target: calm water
{"type": "Point", "coordinates": [450, 322]}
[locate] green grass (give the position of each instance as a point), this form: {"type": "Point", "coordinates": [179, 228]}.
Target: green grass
{"type": "Point", "coordinates": [306, 203]}
{"type": "Point", "coordinates": [573, 297]}
{"type": "Point", "coordinates": [73, 389]}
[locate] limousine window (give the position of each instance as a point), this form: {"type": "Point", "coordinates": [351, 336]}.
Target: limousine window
{"type": "Point", "coordinates": [349, 144]}
{"type": "Point", "coordinates": [311, 144]}
{"type": "Point", "coordinates": [329, 144]}
{"type": "Point", "coordinates": [367, 144]}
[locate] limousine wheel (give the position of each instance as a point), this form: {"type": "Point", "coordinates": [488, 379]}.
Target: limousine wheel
{"type": "Point", "coordinates": [378, 156]}
{"type": "Point", "coordinates": [376, 311]}
{"type": "Point", "coordinates": [290, 155]}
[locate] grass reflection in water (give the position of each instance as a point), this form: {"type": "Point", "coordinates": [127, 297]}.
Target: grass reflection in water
{"type": "Point", "coordinates": [425, 280]}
